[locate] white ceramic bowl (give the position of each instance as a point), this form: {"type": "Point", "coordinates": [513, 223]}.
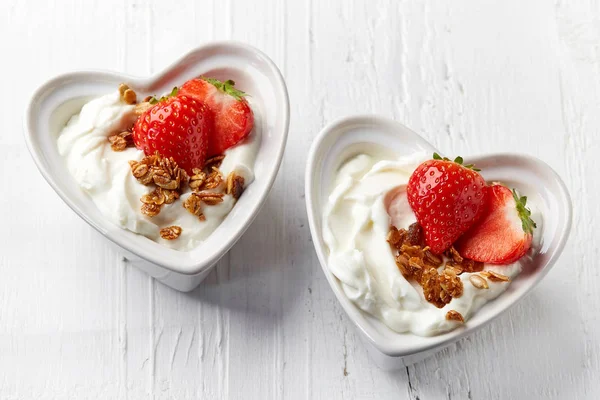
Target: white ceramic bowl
{"type": "Point", "coordinates": [57, 100]}
{"type": "Point", "coordinates": [342, 139]}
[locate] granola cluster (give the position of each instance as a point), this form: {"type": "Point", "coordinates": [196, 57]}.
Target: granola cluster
{"type": "Point", "coordinates": [120, 141]}
{"type": "Point", "coordinates": [439, 275]}
{"type": "Point", "coordinates": [417, 262]}
{"type": "Point", "coordinates": [165, 175]}
{"type": "Point", "coordinates": [454, 315]}
{"type": "Point", "coordinates": [208, 187]}
{"type": "Point", "coordinates": [169, 180]}
{"type": "Point", "coordinates": [161, 171]}
{"type": "Point", "coordinates": [170, 232]}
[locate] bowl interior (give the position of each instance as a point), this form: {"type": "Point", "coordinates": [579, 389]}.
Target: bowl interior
{"type": "Point", "coordinates": [348, 137]}
{"type": "Point", "coordinates": [59, 99]}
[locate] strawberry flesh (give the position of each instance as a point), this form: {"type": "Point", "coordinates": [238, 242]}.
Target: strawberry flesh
{"type": "Point", "coordinates": [177, 127]}
{"type": "Point", "coordinates": [504, 234]}
{"type": "Point", "coordinates": [233, 117]}
{"type": "Point", "coordinates": [447, 199]}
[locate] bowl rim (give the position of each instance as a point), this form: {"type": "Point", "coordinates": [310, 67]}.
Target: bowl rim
{"type": "Point", "coordinates": [432, 342]}
{"type": "Point", "coordinates": [163, 257]}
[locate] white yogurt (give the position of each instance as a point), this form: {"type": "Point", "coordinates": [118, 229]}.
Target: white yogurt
{"type": "Point", "coordinates": [106, 177]}
{"type": "Point", "coordinates": [355, 227]}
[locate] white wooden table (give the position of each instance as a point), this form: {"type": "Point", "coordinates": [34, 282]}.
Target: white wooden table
{"type": "Point", "coordinates": [470, 76]}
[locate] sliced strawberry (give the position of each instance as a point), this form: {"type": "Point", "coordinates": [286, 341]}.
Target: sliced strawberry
{"type": "Point", "coordinates": [232, 114]}
{"type": "Point", "coordinates": [504, 234]}
{"type": "Point", "coordinates": [447, 199]}
{"type": "Point", "coordinates": [176, 127]}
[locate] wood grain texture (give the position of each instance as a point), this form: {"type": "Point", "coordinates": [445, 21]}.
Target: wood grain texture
{"type": "Point", "coordinates": [77, 322]}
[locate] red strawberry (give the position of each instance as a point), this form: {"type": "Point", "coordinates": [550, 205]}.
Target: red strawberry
{"type": "Point", "coordinates": [504, 234]}
{"type": "Point", "coordinates": [233, 116]}
{"type": "Point", "coordinates": [176, 127]}
{"type": "Point", "coordinates": [447, 199]}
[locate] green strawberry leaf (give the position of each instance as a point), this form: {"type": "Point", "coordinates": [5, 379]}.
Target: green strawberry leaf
{"type": "Point", "coordinates": [459, 160]}
{"type": "Point", "coordinates": [154, 100]}
{"type": "Point", "coordinates": [524, 213]}
{"type": "Point", "coordinates": [226, 87]}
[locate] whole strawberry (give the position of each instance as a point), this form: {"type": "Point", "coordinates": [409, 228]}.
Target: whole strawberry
{"type": "Point", "coordinates": [178, 127]}
{"type": "Point", "coordinates": [447, 199]}
{"type": "Point", "coordinates": [232, 113]}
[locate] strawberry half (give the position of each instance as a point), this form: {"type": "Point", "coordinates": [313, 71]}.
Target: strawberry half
{"type": "Point", "coordinates": [232, 115]}
{"type": "Point", "coordinates": [177, 127]}
{"type": "Point", "coordinates": [504, 234]}
{"type": "Point", "coordinates": [447, 199]}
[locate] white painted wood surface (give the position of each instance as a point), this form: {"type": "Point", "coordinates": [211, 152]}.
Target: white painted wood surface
{"type": "Point", "coordinates": [470, 76]}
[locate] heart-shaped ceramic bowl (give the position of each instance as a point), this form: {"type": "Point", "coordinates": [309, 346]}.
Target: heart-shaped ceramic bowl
{"type": "Point", "coordinates": [57, 100]}
{"type": "Point", "coordinates": [345, 138]}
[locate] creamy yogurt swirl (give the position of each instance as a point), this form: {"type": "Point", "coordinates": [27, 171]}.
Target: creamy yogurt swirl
{"type": "Point", "coordinates": [356, 221]}
{"type": "Point", "coordinates": [106, 177]}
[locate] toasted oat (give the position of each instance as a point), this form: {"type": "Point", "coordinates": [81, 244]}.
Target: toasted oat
{"type": "Point", "coordinates": [451, 283]}
{"type": "Point", "coordinates": [120, 141]}
{"type": "Point", "coordinates": [415, 268]}
{"type": "Point", "coordinates": [210, 198]}
{"type": "Point", "coordinates": [213, 180]}
{"type": "Point", "coordinates": [197, 180]}
{"type": "Point", "coordinates": [454, 315]}
{"type": "Point", "coordinates": [214, 161]}
{"type": "Point", "coordinates": [182, 177]}
{"type": "Point", "coordinates": [445, 298]}
{"type": "Point", "coordinates": [454, 255]}
{"type": "Point", "coordinates": [432, 289]}
{"type": "Point", "coordinates": [412, 251]}
{"type": "Point", "coordinates": [452, 268]}
{"type": "Point", "coordinates": [396, 237]}
{"type": "Point", "coordinates": [141, 172]}
{"type": "Point", "coordinates": [156, 197]}
{"type": "Point", "coordinates": [168, 165]}
{"type": "Point", "coordinates": [150, 210]}
{"type": "Point", "coordinates": [117, 143]}
{"type": "Point", "coordinates": [469, 265]}
{"type": "Point", "coordinates": [235, 185]}
{"type": "Point", "coordinates": [194, 205]}
{"type": "Point", "coordinates": [170, 195]}
{"type": "Point", "coordinates": [478, 281]}
{"type": "Point", "coordinates": [496, 277]}
{"type": "Point", "coordinates": [403, 265]}
{"type": "Point", "coordinates": [170, 232]}
{"type": "Point", "coordinates": [164, 179]}
{"type": "Point", "coordinates": [432, 259]}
